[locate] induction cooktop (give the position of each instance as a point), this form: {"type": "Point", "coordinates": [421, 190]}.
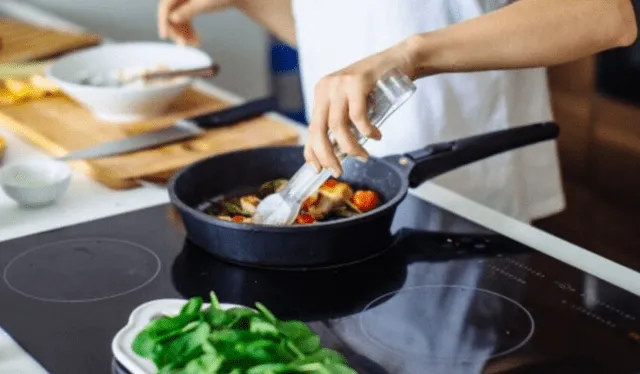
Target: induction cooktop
{"type": "Point", "coordinates": [463, 301]}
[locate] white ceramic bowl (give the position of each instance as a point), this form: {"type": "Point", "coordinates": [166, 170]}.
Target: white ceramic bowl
{"type": "Point", "coordinates": [125, 103]}
{"type": "Point", "coordinates": [35, 182]}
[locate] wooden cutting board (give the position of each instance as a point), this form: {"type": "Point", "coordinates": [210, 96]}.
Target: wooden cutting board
{"type": "Point", "coordinates": [22, 41]}
{"type": "Point", "coordinates": [59, 125]}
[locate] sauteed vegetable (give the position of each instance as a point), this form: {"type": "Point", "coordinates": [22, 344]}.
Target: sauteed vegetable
{"type": "Point", "coordinates": [335, 199]}
{"type": "Point", "coordinates": [234, 341]}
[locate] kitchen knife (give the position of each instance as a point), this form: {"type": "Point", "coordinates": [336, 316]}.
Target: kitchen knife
{"type": "Point", "coordinates": [180, 130]}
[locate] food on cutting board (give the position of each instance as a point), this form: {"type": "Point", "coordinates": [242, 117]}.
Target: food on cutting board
{"type": "Point", "coordinates": [23, 69]}
{"type": "Point", "coordinates": [15, 90]}
{"type": "Point", "coordinates": [239, 340]}
{"type": "Point", "coordinates": [126, 77]}
{"type": "Point", "coordinates": [334, 200]}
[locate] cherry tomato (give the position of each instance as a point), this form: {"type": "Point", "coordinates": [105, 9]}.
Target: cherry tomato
{"type": "Point", "coordinates": [237, 219]}
{"type": "Point", "coordinates": [305, 219]}
{"type": "Point", "coordinates": [365, 200]}
{"type": "Point", "coordinates": [330, 183]}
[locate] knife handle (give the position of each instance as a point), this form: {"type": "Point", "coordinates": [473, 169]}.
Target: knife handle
{"type": "Point", "coordinates": [242, 112]}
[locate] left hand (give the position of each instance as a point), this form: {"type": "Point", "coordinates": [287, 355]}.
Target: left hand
{"type": "Point", "coordinates": [341, 98]}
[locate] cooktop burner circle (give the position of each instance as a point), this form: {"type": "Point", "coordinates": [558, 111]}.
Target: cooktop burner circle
{"type": "Point", "coordinates": [82, 270]}
{"type": "Point", "coordinates": [452, 323]}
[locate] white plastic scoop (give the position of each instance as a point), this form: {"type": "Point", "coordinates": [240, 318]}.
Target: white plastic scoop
{"type": "Point", "coordinates": [282, 208]}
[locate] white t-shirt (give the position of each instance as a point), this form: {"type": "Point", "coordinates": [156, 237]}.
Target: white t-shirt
{"type": "Point", "coordinates": [526, 183]}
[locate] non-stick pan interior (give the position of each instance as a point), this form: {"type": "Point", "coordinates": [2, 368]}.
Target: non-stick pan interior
{"type": "Point", "coordinates": [244, 171]}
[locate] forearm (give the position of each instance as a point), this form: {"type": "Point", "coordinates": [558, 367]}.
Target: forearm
{"type": "Point", "coordinates": [275, 15]}
{"type": "Point", "coordinates": [528, 33]}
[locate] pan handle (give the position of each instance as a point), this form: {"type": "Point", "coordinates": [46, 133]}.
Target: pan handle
{"type": "Point", "coordinates": [440, 158]}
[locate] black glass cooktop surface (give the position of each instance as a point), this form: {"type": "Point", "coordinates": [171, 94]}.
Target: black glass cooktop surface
{"type": "Point", "coordinates": [463, 301]}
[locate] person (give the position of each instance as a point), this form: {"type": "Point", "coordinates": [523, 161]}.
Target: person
{"type": "Point", "coordinates": [479, 66]}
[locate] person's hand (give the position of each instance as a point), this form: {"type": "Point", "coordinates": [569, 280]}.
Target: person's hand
{"type": "Point", "coordinates": [340, 99]}
{"type": "Point", "coordinates": [175, 18]}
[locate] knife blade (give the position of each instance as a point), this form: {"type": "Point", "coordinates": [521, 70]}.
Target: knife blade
{"type": "Point", "coordinates": [180, 130]}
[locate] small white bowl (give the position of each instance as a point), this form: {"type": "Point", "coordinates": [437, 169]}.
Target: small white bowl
{"type": "Point", "coordinates": [37, 182]}
{"type": "Point", "coordinates": [131, 102]}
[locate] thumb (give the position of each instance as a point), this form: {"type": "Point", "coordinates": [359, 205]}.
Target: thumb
{"type": "Point", "coordinates": [187, 11]}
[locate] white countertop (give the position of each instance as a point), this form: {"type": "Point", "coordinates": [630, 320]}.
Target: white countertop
{"type": "Point", "coordinates": [87, 200]}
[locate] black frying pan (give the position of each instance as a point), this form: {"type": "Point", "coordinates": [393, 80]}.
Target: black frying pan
{"type": "Point", "coordinates": [322, 244]}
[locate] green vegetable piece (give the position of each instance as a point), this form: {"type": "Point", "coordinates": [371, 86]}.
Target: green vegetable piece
{"type": "Point", "coordinates": [214, 315]}
{"type": "Point", "coordinates": [229, 336]}
{"type": "Point", "coordinates": [294, 330]}
{"type": "Point", "coordinates": [192, 307]}
{"type": "Point", "coordinates": [235, 209]}
{"type": "Point", "coordinates": [179, 349]}
{"type": "Point", "coordinates": [143, 345]}
{"type": "Point", "coordinates": [157, 331]}
{"type": "Point", "coordinates": [177, 365]}
{"type": "Point", "coordinates": [257, 325]}
{"type": "Point", "coordinates": [269, 369]}
{"type": "Point", "coordinates": [169, 369]}
{"type": "Point", "coordinates": [266, 313]}
{"type": "Point", "coordinates": [294, 349]}
{"type": "Point", "coordinates": [207, 364]}
{"type": "Point", "coordinates": [158, 358]}
{"type": "Point", "coordinates": [315, 368]}
{"type": "Point", "coordinates": [283, 353]}
{"type": "Point", "coordinates": [323, 355]}
{"type": "Point", "coordinates": [224, 336]}
{"type": "Point", "coordinates": [208, 348]}
{"type": "Point", "coordinates": [217, 318]}
{"type": "Point", "coordinates": [215, 304]}
{"type": "Point", "coordinates": [270, 187]}
{"type": "Point", "coordinates": [309, 344]}
{"type": "Point", "coordinates": [166, 327]}
{"type": "Point", "coordinates": [239, 317]}
{"type": "Point", "coordinates": [261, 351]}
{"type": "Point", "coordinates": [241, 311]}
{"type": "Point", "coordinates": [335, 368]}
{"type": "Point", "coordinates": [321, 368]}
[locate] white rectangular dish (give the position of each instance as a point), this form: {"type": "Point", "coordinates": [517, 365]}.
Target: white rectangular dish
{"type": "Point", "coordinates": [139, 318]}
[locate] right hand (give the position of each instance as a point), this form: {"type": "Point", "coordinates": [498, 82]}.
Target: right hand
{"type": "Point", "coordinates": [175, 18]}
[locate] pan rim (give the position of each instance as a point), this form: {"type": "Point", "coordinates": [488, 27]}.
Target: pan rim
{"type": "Point", "coordinates": [181, 205]}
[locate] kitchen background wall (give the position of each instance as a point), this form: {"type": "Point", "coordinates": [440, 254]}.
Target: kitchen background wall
{"type": "Point", "coordinates": [241, 46]}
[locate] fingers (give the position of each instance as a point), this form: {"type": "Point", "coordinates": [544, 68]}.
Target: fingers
{"type": "Point", "coordinates": [164, 7]}
{"type": "Point", "coordinates": [184, 34]}
{"type": "Point", "coordinates": [317, 130]}
{"type": "Point", "coordinates": [311, 158]}
{"type": "Point", "coordinates": [175, 20]}
{"type": "Point", "coordinates": [341, 129]}
{"type": "Point", "coordinates": [339, 101]}
{"type": "Point", "coordinates": [357, 95]}
{"type": "Point", "coordinates": [188, 10]}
